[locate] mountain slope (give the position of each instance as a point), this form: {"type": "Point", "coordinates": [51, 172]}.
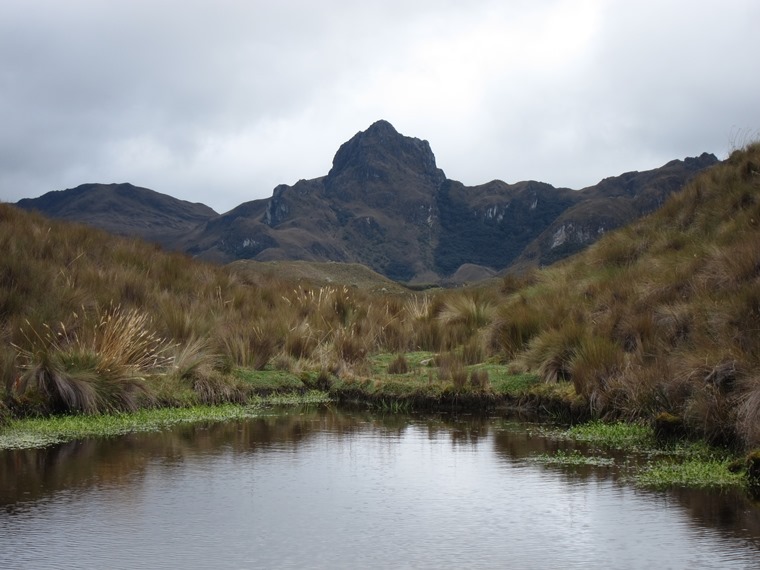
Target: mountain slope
{"type": "Point", "coordinates": [122, 209]}
{"type": "Point", "coordinates": [611, 204]}
{"type": "Point", "coordinates": [660, 316]}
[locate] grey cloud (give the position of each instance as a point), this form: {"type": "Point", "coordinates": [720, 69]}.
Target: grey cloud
{"type": "Point", "coordinates": [219, 101]}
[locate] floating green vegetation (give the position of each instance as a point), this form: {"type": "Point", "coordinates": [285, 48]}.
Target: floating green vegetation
{"type": "Point", "coordinates": [618, 435]}
{"type": "Point", "coordinates": [41, 432]}
{"type": "Point", "coordinates": [572, 458]}
{"type": "Point", "coordinates": [656, 465]}
{"type": "Point", "coordinates": [700, 472]}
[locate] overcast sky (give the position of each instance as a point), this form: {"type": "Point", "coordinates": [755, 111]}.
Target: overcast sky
{"type": "Point", "coordinates": [218, 101]}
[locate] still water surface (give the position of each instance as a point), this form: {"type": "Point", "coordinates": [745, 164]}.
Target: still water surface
{"type": "Point", "coordinates": [329, 489]}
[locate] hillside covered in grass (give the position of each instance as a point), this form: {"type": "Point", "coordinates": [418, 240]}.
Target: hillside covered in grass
{"type": "Point", "coordinates": [661, 318]}
{"type": "Point", "coordinates": [658, 321]}
{"type": "Point", "coordinates": [95, 323]}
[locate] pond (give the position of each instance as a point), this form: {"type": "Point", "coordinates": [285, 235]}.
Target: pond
{"type": "Point", "coordinates": [324, 488]}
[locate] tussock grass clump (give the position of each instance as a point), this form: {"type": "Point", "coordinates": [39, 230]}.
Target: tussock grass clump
{"type": "Point", "coordinates": [595, 359]}
{"type": "Point", "coordinates": [458, 375]}
{"type": "Point", "coordinates": [748, 412]}
{"type": "Point", "coordinates": [399, 365]}
{"type": "Point", "coordinates": [515, 324]}
{"type": "Point", "coordinates": [479, 380]}
{"type": "Point", "coordinates": [349, 347]}
{"type": "Point", "coordinates": [513, 282]}
{"type": "Point", "coordinates": [451, 368]}
{"type": "Point", "coordinates": [463, 314]}
{"type": "Point", "coordinates": [250, 344]}
{"type": "Point", "coordinates": [472, 310]}
{"type": "Point", "coordinates": [474, 351]}
{"type": "Point", "coordinates": [94, 365]}
{"type": "Point", "coordinates": [551, 353]}
{"type": "Point", "coordinates": [301, 341]}
{"type": "Point", "coordinates": [620, 249]}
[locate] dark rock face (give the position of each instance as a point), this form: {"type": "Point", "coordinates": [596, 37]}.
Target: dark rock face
{"type": "Point", "coordinates": [613, 203]}
{"type": "Point", "coordinates": [385, 204]}
{"type": "Point", "coordinates": [380, 154]}
{"type": "Point", "coordinates": [491, 225]}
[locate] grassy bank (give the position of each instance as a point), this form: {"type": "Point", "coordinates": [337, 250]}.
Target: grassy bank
{"type": "Point", "coordinates": [634, 449]}
{"type": "Point", "coordinates": [40, 432]}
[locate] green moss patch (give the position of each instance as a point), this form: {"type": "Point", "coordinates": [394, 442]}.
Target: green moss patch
{"type": "Point", "coordinates": [572, 458]}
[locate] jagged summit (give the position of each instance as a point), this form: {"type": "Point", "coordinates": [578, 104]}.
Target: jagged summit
{"type": "Point", "coordinates": [382, 128]}
{"type": "Point", "coordinates": [381, 149]}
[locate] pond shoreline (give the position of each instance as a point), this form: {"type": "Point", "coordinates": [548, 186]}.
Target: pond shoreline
{"type": "Point", "coordinates": [714, 467]}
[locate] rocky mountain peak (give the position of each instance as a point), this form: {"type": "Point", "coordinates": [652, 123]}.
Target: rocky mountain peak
{"type": "Point", "coordinates": [381, 151]}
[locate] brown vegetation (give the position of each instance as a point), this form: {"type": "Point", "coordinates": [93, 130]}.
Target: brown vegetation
{"type": "Point", "coordinates": [95, 323]}
{"type": "Point", "coordinates": [660, 317]}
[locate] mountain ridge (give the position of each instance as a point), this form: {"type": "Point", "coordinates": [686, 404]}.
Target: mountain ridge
{"type": "Point", "coordinates": [386, 204]}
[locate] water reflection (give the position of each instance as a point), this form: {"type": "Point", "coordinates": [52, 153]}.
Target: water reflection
{"type": "Point", "coordinates": [323, 487]}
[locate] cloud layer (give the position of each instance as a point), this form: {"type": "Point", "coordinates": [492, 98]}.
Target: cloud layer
{"type": "Point", "coordinates": [219, 101]}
